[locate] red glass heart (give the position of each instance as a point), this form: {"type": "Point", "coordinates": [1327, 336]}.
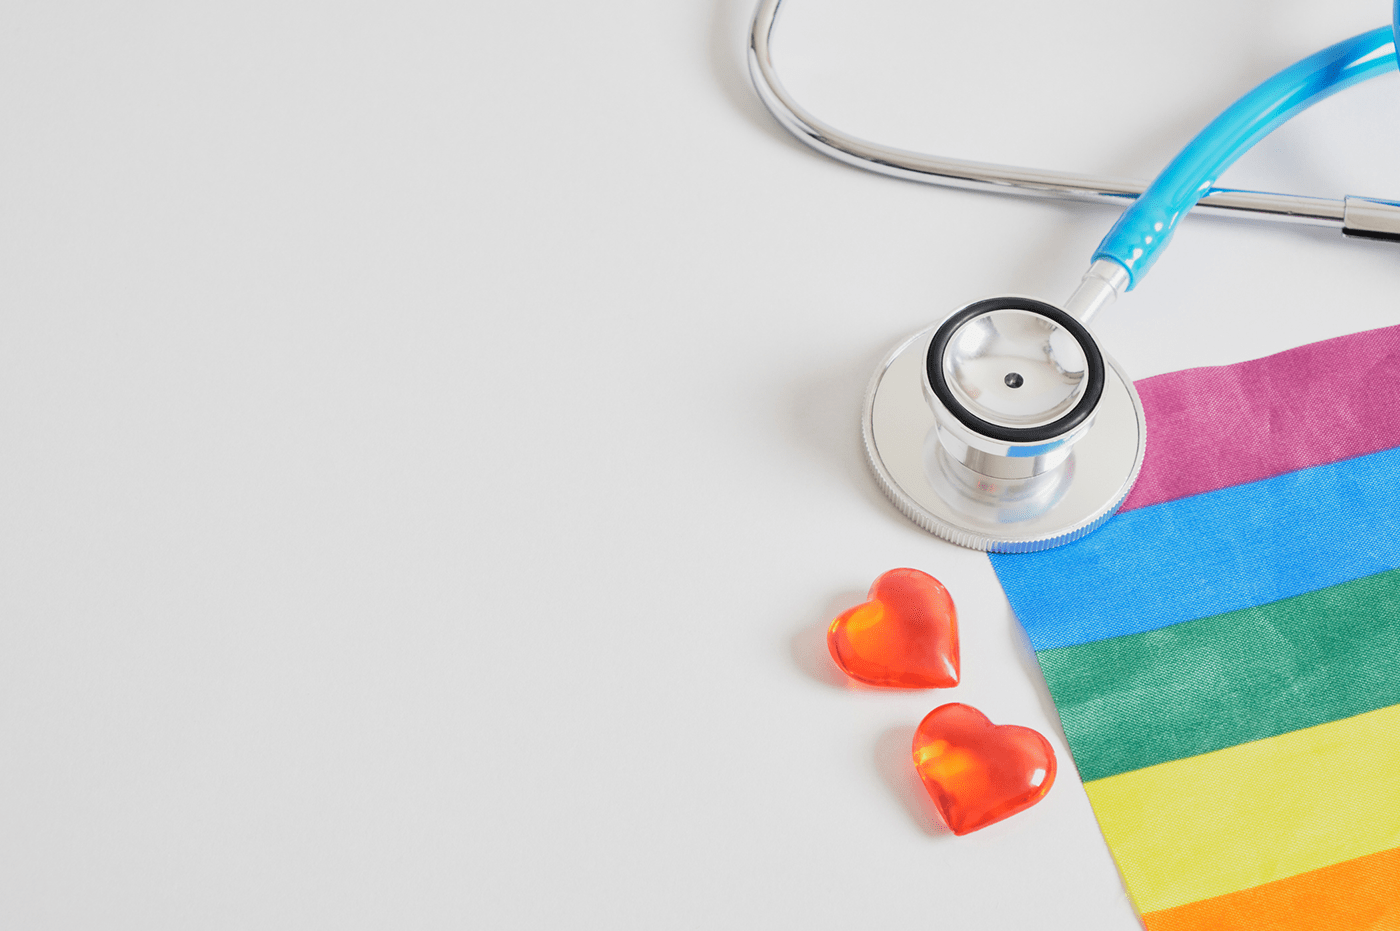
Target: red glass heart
{"type": "Point", "coordinates": [979, 772]}
{"type": "Point", "coordinates": [904, 637]}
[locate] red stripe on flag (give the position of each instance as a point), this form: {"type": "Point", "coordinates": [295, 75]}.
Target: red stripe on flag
{"type": "Point", "coordinates": [1212, 428]}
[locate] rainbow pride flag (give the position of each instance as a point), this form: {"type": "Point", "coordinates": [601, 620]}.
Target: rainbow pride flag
{"type": "Point", "coordinates": [1225, 652]}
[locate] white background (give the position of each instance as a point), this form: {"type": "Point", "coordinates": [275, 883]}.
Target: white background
{"type": "Point", "coordinates": [430, 457]}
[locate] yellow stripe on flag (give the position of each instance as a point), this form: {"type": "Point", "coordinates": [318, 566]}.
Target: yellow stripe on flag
{"type": "Point", "coordinates": [1235, 818]}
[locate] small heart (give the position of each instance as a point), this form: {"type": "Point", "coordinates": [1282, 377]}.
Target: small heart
{"type": "Point", "coordinates": [904, 637]}
{"type": "Point", "coordinates": [979, 772]}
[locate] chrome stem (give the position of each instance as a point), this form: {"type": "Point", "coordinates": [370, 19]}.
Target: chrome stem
{"type": "Point", "coordinates": [1103, 283]}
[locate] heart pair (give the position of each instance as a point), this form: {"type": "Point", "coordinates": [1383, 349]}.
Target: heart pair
{"type": "Point", "coordinates": [906, 636]}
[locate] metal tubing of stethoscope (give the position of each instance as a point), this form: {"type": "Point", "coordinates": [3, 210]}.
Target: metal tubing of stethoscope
{"type": "Point", "coordinates": [1008, 179]}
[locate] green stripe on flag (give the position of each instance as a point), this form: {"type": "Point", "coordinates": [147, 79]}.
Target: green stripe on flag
{"type": "Point", "coordinates": [1203, 685]}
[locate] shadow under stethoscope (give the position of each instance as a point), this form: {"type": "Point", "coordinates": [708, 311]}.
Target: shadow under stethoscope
{"type": "Point", "coordinates": [821, 411]}
{"type": "Point", "coordinates": [727, 54]}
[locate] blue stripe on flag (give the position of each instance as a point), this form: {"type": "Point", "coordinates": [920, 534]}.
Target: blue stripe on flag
{"type": "Point", "coordinates": [1207, 554]}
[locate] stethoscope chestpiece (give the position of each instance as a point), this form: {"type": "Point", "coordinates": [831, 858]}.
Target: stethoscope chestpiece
{"type": "Point", "coordinates": [1004, 427]}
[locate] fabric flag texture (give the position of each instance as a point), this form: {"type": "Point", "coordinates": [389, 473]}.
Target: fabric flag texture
{"type": "Point", "coordinates": [1225, 652]}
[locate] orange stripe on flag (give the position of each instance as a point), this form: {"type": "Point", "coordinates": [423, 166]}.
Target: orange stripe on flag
{"type": "Point", "coordinates": [1358, 894]}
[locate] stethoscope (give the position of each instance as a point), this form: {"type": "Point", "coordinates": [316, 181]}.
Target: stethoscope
{"type": "Point", "coordinates": [1005, 427]}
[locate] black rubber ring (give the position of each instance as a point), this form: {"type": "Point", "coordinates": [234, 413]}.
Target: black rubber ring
{"type": "Point", "coordinates": [1093, 358]}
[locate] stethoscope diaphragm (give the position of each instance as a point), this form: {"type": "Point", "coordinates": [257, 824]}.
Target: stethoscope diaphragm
{"type": "Point", "coordinates": [1004, 427]}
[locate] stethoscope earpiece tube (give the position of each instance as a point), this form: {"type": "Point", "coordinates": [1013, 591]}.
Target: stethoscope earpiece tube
{"type": "Point", "coordinates": [1146, 227]}
{"type": "Point", "coordinates": [1379, 217]}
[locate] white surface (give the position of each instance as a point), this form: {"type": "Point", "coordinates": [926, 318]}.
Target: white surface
{"type": "Point", "coordinates": [430, 449]}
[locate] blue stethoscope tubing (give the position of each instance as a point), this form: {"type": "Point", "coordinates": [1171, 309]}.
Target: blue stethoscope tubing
{"type": "Point", "coordinates": [1146, 227]}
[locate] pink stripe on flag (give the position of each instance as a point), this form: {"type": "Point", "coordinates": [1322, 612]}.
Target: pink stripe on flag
{"type": "Point", "coordinates": [1210, 428]}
